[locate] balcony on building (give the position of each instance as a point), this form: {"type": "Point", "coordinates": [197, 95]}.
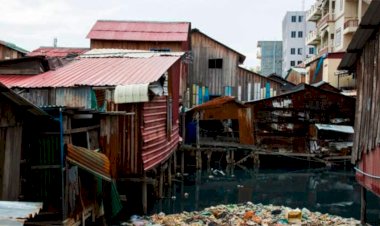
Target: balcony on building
{"type": "Point", "coordinates": [313, 38]}
{"type": "Point", "coordinates": [315, 12]}
{"type": "Point", "coordinates": [350, 25]}
{"type": "Point", "coordinates": [324, 21]}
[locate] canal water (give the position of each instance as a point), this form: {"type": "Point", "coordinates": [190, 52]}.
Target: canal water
{"type": "Point", "coordinates": [324, 190]}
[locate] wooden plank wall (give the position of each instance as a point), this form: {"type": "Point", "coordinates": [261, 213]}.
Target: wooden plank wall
{"type": "Point", "coordinates": [7, 53]}
{"type": "Point", "coordinates": [246, 77]}
{"type": "Point", "coordinates": [295, 77]}
{"type": "Point", "coordinates": [367, 126]}
{"type": "Point", "coordinates": [10, 150]}
{"type": "Point", "coordinates": [203, 49]}
{"type": "Point", "coordinates": [142, 45]}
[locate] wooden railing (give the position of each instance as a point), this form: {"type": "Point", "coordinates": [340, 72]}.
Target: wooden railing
{"type": "Point", "coordinates": [351, 23]}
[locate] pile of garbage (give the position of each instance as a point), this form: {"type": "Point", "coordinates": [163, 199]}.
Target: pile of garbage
{"type": "Point", "coordinates": [245, 214]}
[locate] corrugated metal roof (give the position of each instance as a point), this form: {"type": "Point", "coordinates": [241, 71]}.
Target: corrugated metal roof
{"type": "Point", "coordinates": [57, 51]}
{"type": "Point", "coordinates": [16, 213]}
{"type": "Point", "coordinates": [131, 94]}
{"type": "Point", "coordinates": [140, 31]}
{"type": "Point", "coordinates": [217, 102]}
{"type": "Point", "coordinates": [92, 161]}
{"type": "Point", "coordinates": [13, 46]}
{"type": "Point", "coordinates": [98, 72]}
{"type": "Point", "coordinates": [336, 128]}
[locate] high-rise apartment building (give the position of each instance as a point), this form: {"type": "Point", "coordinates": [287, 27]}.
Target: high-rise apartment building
{"type": "Point", "coordinates": [294, 31]}
{"type": "Point", "coordinates": [336, 21]}
{"type": "Point", "coordinates": [270, 55]}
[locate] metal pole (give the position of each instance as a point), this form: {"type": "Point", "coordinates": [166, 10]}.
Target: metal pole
{"type": "Point", "coordinates": [62, 163]}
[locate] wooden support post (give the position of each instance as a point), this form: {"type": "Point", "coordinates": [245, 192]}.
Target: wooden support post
{"type": "Point", "coordinates": [175, 162]}
{"type": "Point", "coordinates": [161, 183]}
{"type": "Point", "coordinates": [170, 172]}
{"type": "Point", "coordinates": [145, 195]}
{"type": "Point", "coordinates": [198, 157]}
{"type": "Point", "coordinates": [363, 207]}
{"type": "Point", "coordinates": [182, 162]}
{"type": "Point", "coordinates": [228, 156]}
{"type": "Point", "coordinates": [256, 161]}
{"type": "Point", "coordinates": [209, 153]}
{"type": "Point", "coordinates": [197, 130]}
{"type": "Point", "coordinates": [233, 156]}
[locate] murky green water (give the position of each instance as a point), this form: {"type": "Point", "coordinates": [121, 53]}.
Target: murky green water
{"type": "Point", "coordinates": [327, 191]}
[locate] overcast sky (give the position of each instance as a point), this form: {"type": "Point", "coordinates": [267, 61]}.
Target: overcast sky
{"type": "Point", "coordinates": [236, 23]}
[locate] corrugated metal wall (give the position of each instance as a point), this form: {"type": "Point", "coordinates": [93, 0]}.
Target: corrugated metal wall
{"type": "Point", "coordinates": [69, 97]}
{"type": "Point", "coordinates": [157, 142]}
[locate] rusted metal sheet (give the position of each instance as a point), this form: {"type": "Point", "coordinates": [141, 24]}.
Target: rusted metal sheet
{"type": "Point", "coordinates": [158, 144]}
{"type": "Point", "coordinates": [102, 72]}
{"type": "Point", "coordinates": [89, 160]}
{"type": "Point", "coordinates": [369, 164]}
{"type": "Point", "coordinates": [227, 108]}
{"type": "Point", "coordinates": [110, 141]}
{"type": "Point", "coordinates": [139, 31]}
{"type": "Point", "coordinates": [57, 51]}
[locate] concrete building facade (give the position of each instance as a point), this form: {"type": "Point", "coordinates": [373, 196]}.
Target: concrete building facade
{"type": "Point", "coordinates": [269, 54]}
{"type": "Point", "coordinates": [336, 22]}
{"type": "Point", "coordinates": [294, 31]}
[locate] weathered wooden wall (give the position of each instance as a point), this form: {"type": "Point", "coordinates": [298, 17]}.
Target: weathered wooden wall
{"type": "Point", "coordinates": [295, 77]}
{"type": "Point", "coordinates": [203, 49]}
{"type": "Point", "coordinates": [142, 45]}
{"type": "Point", "coordinates": [10, 150]}
{"type": "Point", "coordinates": [367, 126]}
{"type": "Point", "coordinates": [70, 97]}
{"type": "Point", "coordinates": [8, 53]}
{"type": "Point", "coordinates": [246, 78]}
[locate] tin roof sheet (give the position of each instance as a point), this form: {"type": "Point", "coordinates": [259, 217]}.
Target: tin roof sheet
{"type": "Point", "coordinates": [13, 46]}
{"type": "Point", "coordinates": [15, 212]}
{"type": "Point", "coordinates": [89, 160]}
{"type": "Point", "coordinates": [57, 51]}
{"type": "Point", "coordinates": [98, 72]}
{"type": "Point", "coordinates": [140, 31]}
{"type": "Point", "coordinates": [217, 102]}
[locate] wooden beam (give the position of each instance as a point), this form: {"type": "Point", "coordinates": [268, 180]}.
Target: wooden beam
{"type": "Point", "coordinates": [363, 206]}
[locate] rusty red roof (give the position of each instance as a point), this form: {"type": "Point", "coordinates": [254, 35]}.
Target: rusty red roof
{"type": "Point", "coordinates": [217, 102]}
{"type": "Point", "coordinates": [57, 51]}
{"type": "Point", "coordinates": [140, 31]}
{"type": "Point", "coordinates": [97, 72]}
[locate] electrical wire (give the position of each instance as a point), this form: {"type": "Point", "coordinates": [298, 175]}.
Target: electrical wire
{"type": "Point", "coordinates": [366, 174]}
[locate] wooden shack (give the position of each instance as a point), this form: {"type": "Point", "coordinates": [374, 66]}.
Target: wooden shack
{"type": "Point", "coordinates": [17, 117]}
{"type": "Point", "coordinates": [363, 59]}
{"type": "Point", "coordinates": [142, 35]}
{"type": "Point", "coordinates": [11, 51]}
{"type": "Point", "coordinates": [222, 120]}
{"type": "Point", "coordinates": [137, 95]}
{"type": "Point", "coordinates": [145, 35]}
{"type": "Point", "coordinates": [283, 123]}
{"type": "Point", "coordinates": [215, 72]}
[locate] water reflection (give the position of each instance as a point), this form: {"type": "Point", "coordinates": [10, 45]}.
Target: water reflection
{"type": "Point", "coordinates": [323, 190]}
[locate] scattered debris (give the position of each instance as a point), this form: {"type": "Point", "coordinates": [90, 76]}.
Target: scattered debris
{"type": "Point", "coordinates": [245, 214]}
